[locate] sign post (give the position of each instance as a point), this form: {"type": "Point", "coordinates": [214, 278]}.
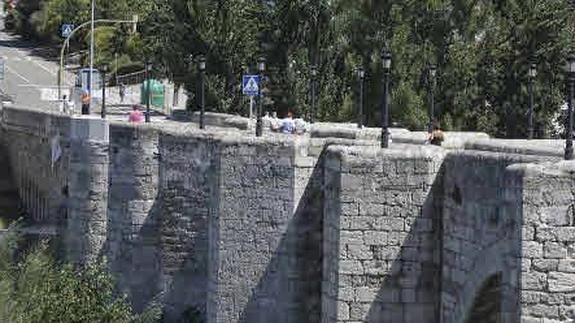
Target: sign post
{"type": "Point", "coordinates": [251, 88]}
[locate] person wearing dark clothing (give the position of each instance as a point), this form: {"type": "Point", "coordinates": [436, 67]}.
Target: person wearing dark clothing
{"type": "Point", "coordinates": [436, 136]}
{"type": "Point", "coordinates": [85, 103]}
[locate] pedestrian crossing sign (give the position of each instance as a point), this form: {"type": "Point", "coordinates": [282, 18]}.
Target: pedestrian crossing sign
{"type": "Point", "coordinates": [251, 85]}
{"type": "Point", "coordinates": [66, 30]}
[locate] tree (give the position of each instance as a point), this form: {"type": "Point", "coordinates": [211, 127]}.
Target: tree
{"type": "Point", "coordinates": [38, 289]}
{"type": "Point", "coordinates": [482, 50]}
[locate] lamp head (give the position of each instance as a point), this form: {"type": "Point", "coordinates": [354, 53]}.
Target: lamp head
{"type": "Point", "coordinates": [386, 59]}
{"type": "Point", "coordinates": [570, 67]}
{"type": "Point", "coordinates": [313, 70]}
{"type": "Point", "coordinates": [262, 64]}
{"type": "Point", "coordinates": [432, 71]}
{"type": "Point", "coordinates": [532, 70]}
{"type": "Point", "coordinates": [202, 63]}
{"type": "Point", "coordinates": [361, 72]}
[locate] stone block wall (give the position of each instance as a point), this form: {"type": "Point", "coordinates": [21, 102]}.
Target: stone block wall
{"type": "Point", "coordinates": [28, 137]}
{"type": "Point", "coordinates": [255, 275]}
{"type": "Point", "coordinates": [547, 283]}
{"type": "Point", "coordinates": [481, 238]}
{"type": "Point", "coordinates": [132, 236]}
{"type": "Point", "coordinates": [380, 234]}
{"type": "Point", "coordinates": [87, 222]}
{"type": "Point", "coordinates": [188, 181]}
{"type": "Point", "coordinates": [213, 223]}
{"type": "Point", "coordinates": [224, 227]}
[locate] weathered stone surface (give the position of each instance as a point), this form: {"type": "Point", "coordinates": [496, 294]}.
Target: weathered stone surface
{"type": "Point", "coordinates": [280, 229]}
{"type": "Point", "coordinates": [561, 282]}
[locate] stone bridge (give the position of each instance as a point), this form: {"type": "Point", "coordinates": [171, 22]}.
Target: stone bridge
{"type": "Point", "coordinates": [325, 227]}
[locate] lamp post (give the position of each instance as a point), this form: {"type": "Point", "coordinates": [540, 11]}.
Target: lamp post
{"type": "Point", "coordinates": [361, 76]}
{"type": "Point", "coordinates": [313, 72]}
{"type": "Point", "coordinates": [202, 70]}
{"type": "Point", "coordinates": [104, 71]}
{"type": "Point", "coordinates": [386, 62]}
{"type": "Point", "coordinates": [91, 74]}
{"type": "Point", "coordinates": [570, 71]}
{"type": "Point", "coordinates": [532, 75]}
{"type": "Point", "coordinates": [147, 87]}
{"type": "Point", "coordinates": [262, 69]}
{"type": "Point", "coordinates": [431, 72]}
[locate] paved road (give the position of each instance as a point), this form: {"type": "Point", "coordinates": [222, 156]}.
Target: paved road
{"type": "Point", "coordinates": [30, 75]}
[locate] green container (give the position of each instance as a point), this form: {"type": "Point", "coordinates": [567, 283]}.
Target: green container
{"type": "Point", "coordinates": [157, 93]}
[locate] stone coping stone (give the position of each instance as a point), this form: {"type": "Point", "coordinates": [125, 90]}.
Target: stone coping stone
{"type": "Point", "coordinates": [350, 131]}
{"type": "Point", "coordinates": [212, 119]}
{"type": "Point", "coordinates": [453, 139]}
{"type": "Point", "coordinates": [90, 128]}
{"type": "Point", "coordinates": [396, 151]}
{"type": "Point", "coordinates": [563, 168]}
{"type": "Point", "coordinates": [539, 147]}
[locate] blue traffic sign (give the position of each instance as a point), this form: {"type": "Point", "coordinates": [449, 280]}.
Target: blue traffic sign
{"type": "Point", "coordinates": [66, 30]}
{"type": "Point", "coordinates": [251, 85]}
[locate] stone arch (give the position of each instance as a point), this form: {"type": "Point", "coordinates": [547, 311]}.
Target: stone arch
{"type": "Point", "coordinates": [498, 259]}
{"type": "Point", "coordinates": [487, 306]}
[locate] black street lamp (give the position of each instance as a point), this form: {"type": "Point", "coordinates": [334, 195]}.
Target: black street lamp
{"type": "Point", "coordinates": [313, 72]}
{"type": "Point", "coordinates": [104, 70]}
{"type": "Point", "coordinates": [148, 69]}
{"type": "Point", "coordinates": [570, 71]}
{"type": "Point", "coordinates": [361, 76]}
{"type": "Point", "coordinates": [202, 70]}
{"type": "Point", "coordinates": [262, 69]}
{"type": "Point", "coordinates": [431, 72]}
{"type": "Point", "coordinates": [386, 62]}
{"type": "Point", "coordinates": [532, 75]}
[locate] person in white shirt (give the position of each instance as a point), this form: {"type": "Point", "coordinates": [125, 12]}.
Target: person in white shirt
{"type": "Point", "coordinates": [288, 124]}
{"type": "Point", "coordinates": [67, 106]}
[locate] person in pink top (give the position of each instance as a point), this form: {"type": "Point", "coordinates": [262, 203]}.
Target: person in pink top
{"type": "Point", "coordinates": [136, 115]}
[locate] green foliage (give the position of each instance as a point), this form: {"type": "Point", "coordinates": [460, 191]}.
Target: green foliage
{"type": "Point", "coordinates": [482, 50]}
{"type": "Point", "coordinates": [38, 289]}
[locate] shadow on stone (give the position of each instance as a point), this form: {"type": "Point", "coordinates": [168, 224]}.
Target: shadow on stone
{"type": "Point", "coordinates": [407, 272]}
{"type": "Point", "coordinates": [289, 290]}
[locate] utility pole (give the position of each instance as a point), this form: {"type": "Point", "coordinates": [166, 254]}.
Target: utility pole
{"type": "Point", "coordinates": [92, 57]}
{"type": "Point", "coordinates": [531, 81]}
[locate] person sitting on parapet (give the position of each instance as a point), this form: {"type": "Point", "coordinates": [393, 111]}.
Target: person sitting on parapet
{"type": "Point", "coordinates": [136, 115]}
{"type": "Point", "coordinates": [436, 136]}
{"type": "Point", "coordinates": [288, 124]}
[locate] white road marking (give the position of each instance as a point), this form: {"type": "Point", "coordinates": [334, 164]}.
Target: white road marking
{"type": "Point", "coordinates": [17, 74]}
{"type": "Point", "coordinates": [28, 58]}
{"type": "Point", "coordinates": [37, 85]}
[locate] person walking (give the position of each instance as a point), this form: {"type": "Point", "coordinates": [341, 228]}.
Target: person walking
{"type": "Point", "coordinates": [122, 92]}
{"type": "Point", "coordinates": [67, 105]}
{"type": "Point", "coordinates": [136, 116]}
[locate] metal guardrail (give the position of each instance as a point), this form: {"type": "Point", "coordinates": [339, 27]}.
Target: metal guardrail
{"type": "Point", "coordinates": [131, 78]}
